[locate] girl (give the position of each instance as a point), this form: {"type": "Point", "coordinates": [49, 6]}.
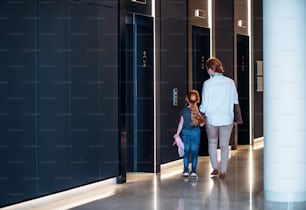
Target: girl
{"type": "Point", "coordinates": [189, 124]}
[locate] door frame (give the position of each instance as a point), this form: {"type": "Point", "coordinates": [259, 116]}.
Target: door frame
{"type": "Point", "coordinates": [193, 73]}
{"type": "Point", "coordinates": [130, 160]}
{"type": "Point", "coordinates": [251, 90]}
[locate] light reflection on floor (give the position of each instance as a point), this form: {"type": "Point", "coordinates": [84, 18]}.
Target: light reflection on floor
{"type": "Point", "coordinates": [241, 190]}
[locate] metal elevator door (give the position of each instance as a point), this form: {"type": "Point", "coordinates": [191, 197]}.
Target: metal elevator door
{"type": "Point", "coordinates": [243, 87]}
{"type": "Point", "coordinates": [200, 54]}
{"type": "Point", "coordinates": [139, 97]}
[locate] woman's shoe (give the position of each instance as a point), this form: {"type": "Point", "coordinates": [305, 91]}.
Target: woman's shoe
{"type": "Point", "coordinates": [214, 172]}
{"type": "Point", "coordinates": [222, 176]}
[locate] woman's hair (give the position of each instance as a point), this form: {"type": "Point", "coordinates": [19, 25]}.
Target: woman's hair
{"type": "Point", "coordinates": [193, 98]}
{"type": "Point", "coordinates": [215, 64]}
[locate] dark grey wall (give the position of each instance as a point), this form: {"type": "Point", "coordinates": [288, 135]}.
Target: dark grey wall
{"type": "Point", "coordinates": [224, 39]}
{"type": "Point", "coordinates": [258, 55]}
{"type": "Point", "coordinates": [173, 71]}
{"type": "Point", "coordinates": [59, 96]}
{"type": "Point", "coordinates": [224, 34]}
{"type": "Point", "coordinates": [18, 148]}
{"type": "Point", "coordinates": [137, 8]}
{"type": "Point", "coordinates": [59, 88]}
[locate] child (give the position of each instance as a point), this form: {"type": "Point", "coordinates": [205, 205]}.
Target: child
{"type": "Point", "coordinates": [190, 122]}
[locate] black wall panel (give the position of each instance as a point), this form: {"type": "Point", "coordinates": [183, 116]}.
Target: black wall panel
{"type": "Point", "coordinates": [53, 97]}
{"type": "Point", "coordinates": [17, 102]}
{"type": "Point", "coordinates": [173, 73]}
{"type": "Point", "coordinates": [224, 39]}
{"type": "Point", "coordinates": [105, 3]}
{"type": "Point", "coordinates": [94, 87]}
{"type": "Point", "coordinates": [144, 7]}
{"type": "Point", "coordinates": [258, 56]}
{"type": "Point", "coordinates": [224, 34]}
{"type": "Point", "coordinates": [59, 96]}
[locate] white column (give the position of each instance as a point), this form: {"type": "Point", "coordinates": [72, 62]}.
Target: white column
{"type": "Point", "coordinates": [284, 100]}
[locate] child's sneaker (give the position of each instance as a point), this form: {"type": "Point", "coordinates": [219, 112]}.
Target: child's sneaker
{"type": "Point", "coordinates": [185, 174]}
{"type": "Point", "coordinates": [194, 175]}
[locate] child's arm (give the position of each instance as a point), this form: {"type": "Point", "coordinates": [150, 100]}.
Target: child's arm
{"type": "Point", "coordinates": [179, 127]}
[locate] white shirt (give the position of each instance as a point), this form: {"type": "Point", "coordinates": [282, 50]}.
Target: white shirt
{"type": "Point", "coordinates": [219, 94]}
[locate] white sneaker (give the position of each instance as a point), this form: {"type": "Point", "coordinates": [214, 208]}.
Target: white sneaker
{"type": "Point", "coordinates": [185, 174]}
{"type": "Point", "coordinates": [194, 175]}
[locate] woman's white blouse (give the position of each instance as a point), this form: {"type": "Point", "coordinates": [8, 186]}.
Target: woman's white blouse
{"type": "Point", "coordinates": [219, 94]}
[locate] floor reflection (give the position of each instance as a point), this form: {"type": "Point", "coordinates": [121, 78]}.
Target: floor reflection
{"type": "Point", "coordinates": [180, 204]}
{"type": "Point", "coordinates": [241, 190]}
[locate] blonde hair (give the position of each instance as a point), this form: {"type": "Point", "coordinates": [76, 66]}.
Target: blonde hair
{"type": "Point", "coordinates": [193, 98]}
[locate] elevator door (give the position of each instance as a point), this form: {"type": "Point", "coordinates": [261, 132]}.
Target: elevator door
{"type": "Point", "coordinates": [243, 87]}
{"type": "Point", "coordinates": [139, 93]}
{"type": "Point", "coordinates": [200, 53]}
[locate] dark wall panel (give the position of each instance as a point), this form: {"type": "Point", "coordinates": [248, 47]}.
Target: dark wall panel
{"type": "Point", "coordinates": [53, 97]}
{"type": "Point", "coordinates": [224, 34]}
{"type": "Point", "coordinates": [140, 7]}
{"type": "Point", "coordinates": [258, 55]}
{"type": "Point", "coordinates": [59, 104]}
{"type": "Point", "coordinates": [93, 92]}
{"type": "Point", "coordinates": [224, 39]}
{"type": "Point", "coordinates": [173, 71]}
{"type": "Point", "coordinates": [105, 3]}
{"type": "Point", "coordinates": [17, 101]}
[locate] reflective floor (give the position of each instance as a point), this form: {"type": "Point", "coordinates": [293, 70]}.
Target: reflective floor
{"type": "Point", "coordinates": [241, 190]}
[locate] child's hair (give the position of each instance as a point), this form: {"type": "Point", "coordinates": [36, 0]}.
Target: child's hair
{"type": "Point", "coordinates": [193, 98]}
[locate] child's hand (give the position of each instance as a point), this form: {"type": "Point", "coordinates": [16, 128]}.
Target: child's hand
{"type": "Point", "coordinates": [175, 135]}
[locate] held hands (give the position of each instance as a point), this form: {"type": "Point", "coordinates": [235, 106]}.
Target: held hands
{"type": "Point", "coordinates": [202, 119]}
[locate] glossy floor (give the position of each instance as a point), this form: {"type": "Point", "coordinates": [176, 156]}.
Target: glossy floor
{"type": "Point", "coordinates": [241, 190]}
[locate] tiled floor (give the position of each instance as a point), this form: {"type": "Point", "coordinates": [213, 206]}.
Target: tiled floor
{"type": "Point", "coordinates": [241, 190]}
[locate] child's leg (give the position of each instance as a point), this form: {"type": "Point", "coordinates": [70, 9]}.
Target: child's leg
{"type": "Point", "coordinates": [187, 147]}
{"type": "Point", "coordinates": [195, 143]}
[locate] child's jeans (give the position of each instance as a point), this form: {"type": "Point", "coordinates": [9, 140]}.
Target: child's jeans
{"type": "Point", "coordinates": [191, 139]}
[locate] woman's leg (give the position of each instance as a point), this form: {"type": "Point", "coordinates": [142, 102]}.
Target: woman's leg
{"type": "Point", "coordinates": [224, 138]}
{"type": "Point", "coordinates": [212, 136]}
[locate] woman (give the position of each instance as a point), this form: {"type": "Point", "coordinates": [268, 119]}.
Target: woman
{"type": "Point", "coordinates": [189, 125]}
{"type": "Point", "coordinates": [219, 95]}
